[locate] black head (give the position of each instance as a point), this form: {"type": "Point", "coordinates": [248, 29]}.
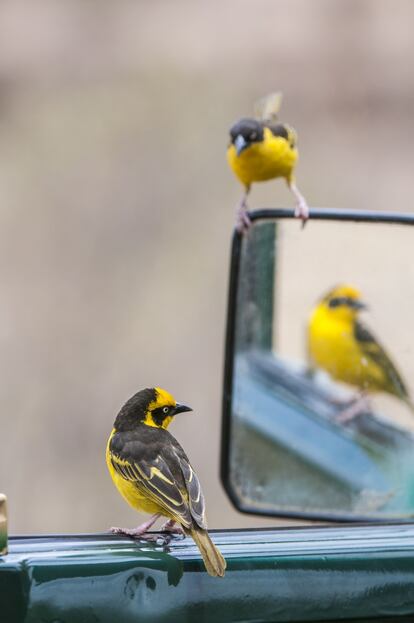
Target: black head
{"type": "Point", "coordinates": [244, 133]}
{"type": "Point", "coordinates": [152, 406]}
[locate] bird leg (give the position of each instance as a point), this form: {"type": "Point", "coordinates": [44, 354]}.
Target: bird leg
{"type": "Point", "coordinates": [301, 209]}
{"type": "Point", "coordinates": [140, 530]}
{"type": "Point", "coordinates": [359, 406]}
{"type": "Point", "coordinates": [243, 221]}
{"type": "Point", "coordinates": [171, 527]}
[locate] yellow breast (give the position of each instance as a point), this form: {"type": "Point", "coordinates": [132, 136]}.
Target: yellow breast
{"type": "Point", "coordinates": [333, 347]}
{"type": "Point", "coordinates": [273, 157]}
{"type": "Point", "coordinates": [128, 490]}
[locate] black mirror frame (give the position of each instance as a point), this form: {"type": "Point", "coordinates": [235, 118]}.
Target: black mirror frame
{"type": "Point", "coordinates": [320, 214]}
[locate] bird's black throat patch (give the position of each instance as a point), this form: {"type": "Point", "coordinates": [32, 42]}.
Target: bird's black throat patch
{"type": "Point", "coordinates": [158, 415]}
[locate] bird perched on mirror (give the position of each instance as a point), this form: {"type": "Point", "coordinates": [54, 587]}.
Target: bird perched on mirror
{"type": "Point", "coordinates": [152, 472]}
{"type": "Point", "coordinates": [262, 149]}
{"type": "Point", "coordinates": [340, 344]}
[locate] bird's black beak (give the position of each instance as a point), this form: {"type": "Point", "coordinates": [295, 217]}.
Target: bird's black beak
{"type": "Point", "coordinates": [179, 408]}
{"type": "Point", "coordinates": [240, 144]}
{"type": "Point", "coordinates": [356, 304]}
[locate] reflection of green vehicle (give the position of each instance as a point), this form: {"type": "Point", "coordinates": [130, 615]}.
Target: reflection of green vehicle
{"type": "Point", "coordinates": [273, 418]}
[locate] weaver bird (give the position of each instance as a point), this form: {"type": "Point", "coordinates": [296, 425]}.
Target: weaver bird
{"type": "Point", "coordinates": [340, 344]}
{"type": "Point", "coordinates": [262, 149]}
{"type": "Point", "coordinates": [153, 474]}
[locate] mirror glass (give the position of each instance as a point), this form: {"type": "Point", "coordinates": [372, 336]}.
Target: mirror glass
{"type": "Point", "coordinates": [322, 418]}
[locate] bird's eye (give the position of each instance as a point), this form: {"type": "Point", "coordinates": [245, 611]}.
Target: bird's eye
{"type": "Point", "coordinates": [253, 136]}
{"type": "Point", "coordinates": [166, 409]}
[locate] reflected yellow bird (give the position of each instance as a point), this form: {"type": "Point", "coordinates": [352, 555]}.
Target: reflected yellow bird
{"type": "Point", "coordinates": [262, 149]}
{"type": "Point", "coordinates": [340, 344]}
{"type": "Point", "coordinates": [153, 473]}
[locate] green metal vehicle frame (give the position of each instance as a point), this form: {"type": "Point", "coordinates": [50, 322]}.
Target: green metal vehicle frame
{"type": "Point", "coordinates": [344, 573]}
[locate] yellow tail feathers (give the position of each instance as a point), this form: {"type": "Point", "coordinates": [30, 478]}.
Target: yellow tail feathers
{"type": "Point", "coordinates": [213, 560]}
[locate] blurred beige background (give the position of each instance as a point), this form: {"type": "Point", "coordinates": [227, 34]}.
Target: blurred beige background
{"type": "Point", "coordinates": [116, 209]}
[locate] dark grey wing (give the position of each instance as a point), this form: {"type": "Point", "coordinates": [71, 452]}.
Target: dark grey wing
{"type": "Point", "coordinates": [279, 130]}
{"type": "Point", "coordinates": [373, 350]}
{"type": "Point", "coordinates": [285, 131]}
{"type": "Point", "coordinates": [154, 478]}
{"type": "Point", "coordinates": [195, 494]}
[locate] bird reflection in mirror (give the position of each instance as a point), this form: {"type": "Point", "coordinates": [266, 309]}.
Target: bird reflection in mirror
{"type": "Point", "coordinates": [341, 345]}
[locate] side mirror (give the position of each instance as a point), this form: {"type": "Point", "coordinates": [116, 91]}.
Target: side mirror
{"type": "Point", "coordinates": [291, 444]}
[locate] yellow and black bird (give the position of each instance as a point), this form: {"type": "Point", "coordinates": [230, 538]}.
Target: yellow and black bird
{"type": "Point", "coordinates": [340, 344]}
{"type": "Point", "coordinates": [262, 149]}
{"type": "Point", "coordinates": [153, 474]}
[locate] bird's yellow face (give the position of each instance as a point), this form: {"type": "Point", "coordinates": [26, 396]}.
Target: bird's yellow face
{"type": "Point", "coordinates": [343, 303]}
{"type": "Point", "coordinates": [161, 411]}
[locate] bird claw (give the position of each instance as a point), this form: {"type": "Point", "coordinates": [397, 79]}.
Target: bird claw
{"type": "Point", "coordinates": [302, 211]}
{"type": "Point", "coordinates": [162, 539]}
{"type": "Point", "coordinates": [133, 532]}
{"type": "Point", "coordinates": [301, 208]}
{"type": "Point", "coordinates": [356, 408]}
{"type": "Point", "coordinates": [149, 537]}
{"type": "Point", "coordinates": [243, 222]}
{"type": "Point", "coordinates": [171, 527]}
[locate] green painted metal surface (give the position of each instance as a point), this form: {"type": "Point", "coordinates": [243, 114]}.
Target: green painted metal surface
{"type": "Point", "coordinates": [287, 575]}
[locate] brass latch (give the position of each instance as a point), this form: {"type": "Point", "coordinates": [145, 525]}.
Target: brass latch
{"type": "Point", "coordinates": [3, 524]}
